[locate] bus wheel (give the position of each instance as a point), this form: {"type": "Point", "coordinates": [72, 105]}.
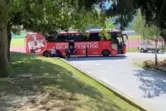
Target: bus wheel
{"type": "Point", "coordinates": [105, 53]}
{"type": "Point", "coordinates": [46, 54]}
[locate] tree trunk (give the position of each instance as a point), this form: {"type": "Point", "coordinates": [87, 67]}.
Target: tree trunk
{"type": "Point", "coordinates": [3, 53]}
{"type": "Point", "coordinates": [156, 61]}
{"type": "Point", "coordinates": [9, 41]}
{"type": "Point", "coordinates": [4, 4]}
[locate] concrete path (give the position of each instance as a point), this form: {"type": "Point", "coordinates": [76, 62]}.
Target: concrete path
{"type": "Point", "coordinates": [144, 86]}
{"type": "Point", "coordinates": [144, 55]}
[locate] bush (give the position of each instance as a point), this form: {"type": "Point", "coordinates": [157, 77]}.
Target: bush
{"type": "Point", "coordinates": [148, 64]}
{"type": "Point", "coordinates": [164, 61]}
{"type": "Point", "coordinates": [161, 63]}
{"type": "Point", "coordinates": [151, 64]}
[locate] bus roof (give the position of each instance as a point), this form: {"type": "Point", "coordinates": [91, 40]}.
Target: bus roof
{"type": "Point", "coordinates": [90, 31]}
{"type": "Point", "coordinates": [99, 30]}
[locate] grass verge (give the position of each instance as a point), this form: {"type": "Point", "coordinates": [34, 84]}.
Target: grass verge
{"type": "Point", "coordinates": [132, 49]}
{"type": "Point", "coordinates": [134, 37]}
{"type": "Point", "coordinates": [17, 43]}
{"type": "Point", "coordinates": [50, 84]}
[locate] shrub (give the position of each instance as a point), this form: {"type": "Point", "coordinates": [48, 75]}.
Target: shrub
{"type": "Point", "coordinates": [161, 63]}
{"type": "Point", "coordinates": [164, 61]}
{"type": "Point", "coordinates": [148, 64]}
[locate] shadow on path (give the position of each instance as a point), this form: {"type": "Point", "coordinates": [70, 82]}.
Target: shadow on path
{"type": "Point", "coordinates": [153, 83]}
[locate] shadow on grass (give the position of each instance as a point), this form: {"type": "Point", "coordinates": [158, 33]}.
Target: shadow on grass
{"type": "Point", "coordinates": [32, 75]}
{"type": "Point", "coordinates": [153, 83]}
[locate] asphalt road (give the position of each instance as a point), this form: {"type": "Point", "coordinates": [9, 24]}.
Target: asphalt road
{"type": "Point", "coordinates": [144, 86]}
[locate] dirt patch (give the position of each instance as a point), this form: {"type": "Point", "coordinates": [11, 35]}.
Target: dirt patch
{"type": "Point", "coordinates": [39, 102]}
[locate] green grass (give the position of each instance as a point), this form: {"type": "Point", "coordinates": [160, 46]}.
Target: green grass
{"type": "Point", "coordinates": [45, 83]}
{"type": "Point", "coordinates": [132, 49]}
{"type": "Point", "coordinates": [17, 43]}
{"type": "Point", "coordinates": [134, 37]}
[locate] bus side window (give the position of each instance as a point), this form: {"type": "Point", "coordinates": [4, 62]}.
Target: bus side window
{"type": "Point", "coordinates": [79, 38]}
{"type": "Point", "coordinates": [50, 39]}
{"type": "Point", "coordinates": [94, 37]}
{"type": "Point", "coordinates": [62, 38]}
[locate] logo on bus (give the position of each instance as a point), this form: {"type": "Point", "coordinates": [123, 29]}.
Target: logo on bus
{"type": "Point", "coordinates": [37, 42]}
{"type": "Point", "coordinates": [89, 45]}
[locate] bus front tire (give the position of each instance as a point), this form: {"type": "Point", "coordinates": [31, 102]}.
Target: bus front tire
{"type": "Point", "coordinates": [105, 53]}
{"type": "Point", "coordinates": [46, 54]}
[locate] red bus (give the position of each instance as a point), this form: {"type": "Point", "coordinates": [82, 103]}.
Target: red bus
{"type": "Point", "coordinates": [91, 45]}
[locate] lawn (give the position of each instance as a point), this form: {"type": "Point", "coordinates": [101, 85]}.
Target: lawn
{"type": "Point", "coordinates": [134, 37]}
{"type": "Point", "coordinates": [132, 49]}
{"type": "Point", "coordinates": [44, 84]}
{"type": "Point", "coordinates": [18, 42]}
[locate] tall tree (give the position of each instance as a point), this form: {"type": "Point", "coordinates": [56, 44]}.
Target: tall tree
{"type": "Point", "coordinates": [151, 32]}
{"type": "Point", "coordinates": [154, 33]}
{"type": "Point", "coordinates": [4, 4]}
{"type": "Point", "coordinates": [43, 16]}
{"type": "Point", "coordinates": [153, 10]}
{"type": "Point", "coordinates": [139, 25]}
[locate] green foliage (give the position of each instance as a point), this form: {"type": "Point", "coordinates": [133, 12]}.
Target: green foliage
{"type": "Point", "coordinates": [154, 31]}
{"type": "Point", "coordinates": [146, 31]}
{"type": "Point", "coordinates": [154, 11]}
{"type": "Point", "coordinates": [109, 25]}
{"type": "Point", "coordinates": [48, 16]}
{"type": "Point", "coordinates": [105, 35]}
{"type": "Point", "coordinates": [4, 5]}
{"type": "Point", "coordinates": [139, 25]}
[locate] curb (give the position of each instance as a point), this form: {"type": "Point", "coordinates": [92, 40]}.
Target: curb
{"type": "Point", "coordinates": [118, 93]}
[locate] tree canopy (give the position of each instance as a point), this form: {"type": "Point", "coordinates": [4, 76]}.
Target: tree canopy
{"type": "Point", "coordinates": [146, 31]}
{"type": "Point", "coordinates": [43, 16]}
{"type": "Point", "coordinates": [153, 10]}
{"type": "Point", "coordinates": [51, 15]}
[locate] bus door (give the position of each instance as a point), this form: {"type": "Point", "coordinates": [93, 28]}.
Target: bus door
{"type": "Point", "coordinates": [117, 42]}
{"type": "Point", "coordinates": [120, 43]}
{"type": "Point", "coordinates": [124, 39]}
